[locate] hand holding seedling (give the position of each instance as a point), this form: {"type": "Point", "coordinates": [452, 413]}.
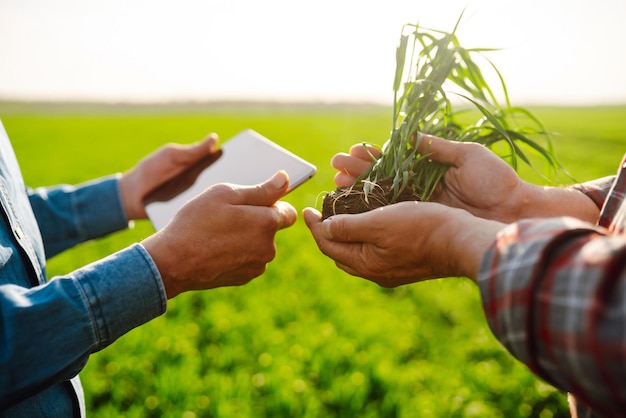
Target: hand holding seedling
{"type": "Point", "coordinates": [404, 243]}
{"type": "Point", "coordinates": [439, 89]}
{"type": "Point", "coordinates": [157, 168]}
{"type": "Point", "coordinates": [413, 241]}
{"type": "Point", "coordinates": [223, 237]}
{"type": "Point", "coordinates": [478, 181]}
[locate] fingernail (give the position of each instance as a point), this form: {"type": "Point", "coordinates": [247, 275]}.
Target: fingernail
{"type": "Point", "coordinates": [326, 232]}
{"type": "Point", "coordinates": [279, 179]}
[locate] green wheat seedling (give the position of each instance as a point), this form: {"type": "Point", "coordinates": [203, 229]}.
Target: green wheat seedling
{"type": "Point", "coordinates": [432, 69]}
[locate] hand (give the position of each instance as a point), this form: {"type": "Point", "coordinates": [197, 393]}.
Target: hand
{"type": "Point", "coordinates": [352, 165]}
{"type": "Point", "coordinates": [478, 180]}
{"type": "Point", "coordinates": [405, 242]}
{"type": "Point", "coordinates": [156, 169]}
{"type": "Point", "coordinates": [483, 184]}
{"type": "Point", "coordinates": [223, 237]}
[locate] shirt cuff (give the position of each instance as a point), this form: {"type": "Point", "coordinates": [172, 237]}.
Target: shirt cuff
{"type": "Point", "coordinates": [596, 190]}
{"type": "Point", "coordinates": [123, 291]}
{"type": "Point", "coordinates": [98, 207]}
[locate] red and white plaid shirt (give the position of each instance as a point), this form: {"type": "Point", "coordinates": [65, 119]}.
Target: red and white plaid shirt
{"type": "Point", "coordinates": [554, 294]}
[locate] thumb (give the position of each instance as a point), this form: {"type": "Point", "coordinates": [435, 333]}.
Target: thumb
{"type": "Point", "coordinates": [266, 193]}
{"type": "Point", "coordinates": [198, 150]}
{"type": "Point", "coordinates": [348, 228]}
{"type": "Point", "coordinates": [441, 150]}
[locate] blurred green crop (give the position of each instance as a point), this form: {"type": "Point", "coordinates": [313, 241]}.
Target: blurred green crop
{"type": "Point", "coordinates": [304, 339]}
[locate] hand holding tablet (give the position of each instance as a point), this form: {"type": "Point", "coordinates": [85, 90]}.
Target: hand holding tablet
{"type": "Point", "coordinates": [246, 159]}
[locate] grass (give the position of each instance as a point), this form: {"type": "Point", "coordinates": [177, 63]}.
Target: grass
{"type": "Point", "coordinates": [305, 339]}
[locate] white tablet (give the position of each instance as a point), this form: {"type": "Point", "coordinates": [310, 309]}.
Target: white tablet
{"type": "Point", "coordinates": [248, 158]}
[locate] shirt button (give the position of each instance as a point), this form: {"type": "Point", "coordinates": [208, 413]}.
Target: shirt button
{"type": "Point", "coordinates": [19, 232]}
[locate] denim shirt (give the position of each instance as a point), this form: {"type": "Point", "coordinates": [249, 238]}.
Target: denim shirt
{"type": "Point", "coordinates": [48, 328]}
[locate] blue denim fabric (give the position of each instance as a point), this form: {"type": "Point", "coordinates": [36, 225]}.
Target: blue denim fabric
{"type": "Point", "coordinates": [48, 328]}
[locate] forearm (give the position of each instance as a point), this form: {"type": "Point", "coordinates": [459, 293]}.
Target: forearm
{"type": "Point", "coordinates": [71, 317]}
{"type": "Point", "coordinates": [68, 215]}
{"type": "Point", "coordinates": [552, 290]}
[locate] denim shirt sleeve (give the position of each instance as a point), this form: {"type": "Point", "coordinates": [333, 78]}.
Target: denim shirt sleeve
{"type": "Point", "coordinates": [68, 215]}
{"type": "Point", "coordinates": [72, 316]}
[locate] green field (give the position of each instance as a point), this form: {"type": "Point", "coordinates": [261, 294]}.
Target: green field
{"type": "Point", "coordinates": [305, 339]}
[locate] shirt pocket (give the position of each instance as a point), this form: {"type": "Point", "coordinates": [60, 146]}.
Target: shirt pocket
{"type": "Point", "coordinates": [12, 268]}
{"type": "Point", "coordinates": [5, 255]}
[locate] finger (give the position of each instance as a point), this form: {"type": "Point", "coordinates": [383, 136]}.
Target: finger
{"type": "Point", "coordinates": [286, 214]}
{"type": "Point", "coordinates": [364, 151]}
{"type": "Point", "coordinates": [195, 152]}
{"type": "Point", "coordinates": [350, 165]}
{"type": "Point", "coordinates": [355, 228]}
{"type": "Point", "coordinates": [336, 251]}
{"type": "Point", "coordinates": [181, 157]}
{"type": "Point", "coordinates": [343, 254]}
{"type": "Point", "coordinates": [210, 142]}
{"type": "Point", "coordinates": [313, 219]}
{"type": "Point", "coordinates": [348, 269]}
{"type": "Point", "coordinates": [264, 194]}
{"type": "Point", "coordinates": [239, 276]}
{"type": "Point", "coordinates": [344, 180]}
{"type": "Point", "coordinates": [370, 277]}
{"type": "Point", "coordinates": [440, 150]}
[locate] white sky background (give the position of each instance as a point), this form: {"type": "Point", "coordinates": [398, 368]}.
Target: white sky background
{"type": "Point", "coordinates": [554, 51]}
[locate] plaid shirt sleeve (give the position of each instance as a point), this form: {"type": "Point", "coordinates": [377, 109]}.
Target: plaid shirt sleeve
{"type": "Point", "coordinates": [596, 190]}
{"type": "Point", "coordinates": [554, 294]}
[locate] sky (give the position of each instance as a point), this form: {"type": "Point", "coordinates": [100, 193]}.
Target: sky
{"type": "Point", "coordinates": [550, 51]}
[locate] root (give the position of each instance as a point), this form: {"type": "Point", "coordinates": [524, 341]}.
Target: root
{"type": "Point", "coordinates": [353, 199]}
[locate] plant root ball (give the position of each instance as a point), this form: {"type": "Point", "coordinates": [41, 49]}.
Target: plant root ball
{"type": "Point", "coordinates": [351, 200]}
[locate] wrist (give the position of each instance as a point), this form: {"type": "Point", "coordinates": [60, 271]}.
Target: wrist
{"type": "Point", "coordinates": [542, 202]}
{"type": "Point", "coordinates": [130, 195]}
{"type": "Point", "coordinates": [158, 250]}
{"type": "Point", "coordinates": [468, 241]}
{"type": "Point", "coordinates": [530, 197]}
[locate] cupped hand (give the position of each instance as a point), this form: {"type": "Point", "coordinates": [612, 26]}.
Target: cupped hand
{"type": "Point", "coordinates": [223, 237]}
{"type": "Point", "coordinates": [405, 242]}
{"type": "Point", "coordinates": [477, 181]}
{"type": "Point", "coordinates": [156, 169]}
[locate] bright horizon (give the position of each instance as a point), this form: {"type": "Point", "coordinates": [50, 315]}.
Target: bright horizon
{"type": "Point", "coordinates": [552, 51]}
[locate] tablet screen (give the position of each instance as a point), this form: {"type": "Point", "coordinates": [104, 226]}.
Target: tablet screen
{"type": "Point", "coordinates": [247, 158]}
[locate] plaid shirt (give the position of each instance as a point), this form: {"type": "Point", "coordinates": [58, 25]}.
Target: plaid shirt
{"type": "Point", "coordinates": [554, 294]}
